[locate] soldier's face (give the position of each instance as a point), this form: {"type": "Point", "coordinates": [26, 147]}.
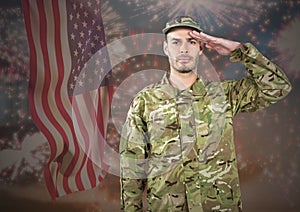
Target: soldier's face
{"type": "Point", "coordinates": [183, 50]}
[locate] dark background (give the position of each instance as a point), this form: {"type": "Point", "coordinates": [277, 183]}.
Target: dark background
{"type": "Point", "coordinates": [267, 142]}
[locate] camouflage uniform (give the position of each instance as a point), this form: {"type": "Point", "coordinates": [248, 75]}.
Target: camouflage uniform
{"type": "Point", "coordinates": [178, 145]}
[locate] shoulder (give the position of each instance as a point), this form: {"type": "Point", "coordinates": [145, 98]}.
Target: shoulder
{"type": "Point", "coordinates": [147, 94]}
{"type": "Point", "coordinates": [154, 92]}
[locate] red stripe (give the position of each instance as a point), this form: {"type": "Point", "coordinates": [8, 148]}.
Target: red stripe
{"type": "Point", "coordinates": [31, 87]}
{"type": "Point", "coordinates": [100, 115]}
{"type": "Point", "coordinates": [110, 89]}
{"type": "Point", "coordinates": [91, 172]}
{"type": "Point", "coordinates": [101, 128]}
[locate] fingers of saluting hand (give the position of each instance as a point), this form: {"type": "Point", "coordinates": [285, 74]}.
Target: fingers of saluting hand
{"type": "Point", "coordinates": [222, 46]}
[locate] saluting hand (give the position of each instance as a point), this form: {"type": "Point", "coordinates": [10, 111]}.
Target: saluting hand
{"type": "Point", "coordinates": [221, 45]}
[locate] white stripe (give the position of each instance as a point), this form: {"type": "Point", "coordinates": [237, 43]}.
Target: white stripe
{"type": "Point", "coordinates": [84, 176]}
{"type": "Point", "coordinates": [59, 186]}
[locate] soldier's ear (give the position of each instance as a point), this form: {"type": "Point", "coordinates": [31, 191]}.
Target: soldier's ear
{"type": "Point", "coordinates": [165, 48]}
{"type": "Point", "coordinates": [201, 48]}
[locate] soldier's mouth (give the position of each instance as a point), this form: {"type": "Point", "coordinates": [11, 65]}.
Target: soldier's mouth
{"type": "Point", "coordinates": [184, 59]}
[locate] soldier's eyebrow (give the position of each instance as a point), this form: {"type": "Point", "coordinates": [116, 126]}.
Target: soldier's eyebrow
{"type": "Point", "coordinates": [179, 39]}
{"type": "Point", "coordinates": [175, 39]}
{"type": "Point", "coordinates": [191, 39]}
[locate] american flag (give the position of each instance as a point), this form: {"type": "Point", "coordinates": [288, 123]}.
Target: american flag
{"type": "Point", "coordinates": [66, 100]}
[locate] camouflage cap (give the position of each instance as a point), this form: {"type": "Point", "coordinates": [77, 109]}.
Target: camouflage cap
{"type": "Point", "coordinates": [182, 21]}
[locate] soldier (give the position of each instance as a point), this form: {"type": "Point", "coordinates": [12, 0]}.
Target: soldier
{"type": "Point", "coordinates": [177, 141]}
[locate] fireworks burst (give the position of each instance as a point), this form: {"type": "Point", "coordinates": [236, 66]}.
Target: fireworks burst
{"type": "Point", "coordinates": [24, 158]}
{"type": "Point", "coordinates": [288, 46]}
{"type": "Point", "coordinates": [14, 55]}
{"type": "Point", "coordinates": [210, 13]}
{"type": "Point", "coordinates": [114, 28]}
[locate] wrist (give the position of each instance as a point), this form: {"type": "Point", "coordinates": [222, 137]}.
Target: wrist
{"type": "Point", "coordinates": [239, 46]}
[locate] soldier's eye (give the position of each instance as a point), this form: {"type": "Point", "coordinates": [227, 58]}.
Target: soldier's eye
{"type": "Point", "coordinates": [193, 42]}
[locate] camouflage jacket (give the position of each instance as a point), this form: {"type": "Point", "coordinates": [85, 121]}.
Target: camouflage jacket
{"type": "Point", "coordinates": [178, 145]}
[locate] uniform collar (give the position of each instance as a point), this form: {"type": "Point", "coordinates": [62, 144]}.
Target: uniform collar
{"type": "Point", "coordinates": [197, 89]}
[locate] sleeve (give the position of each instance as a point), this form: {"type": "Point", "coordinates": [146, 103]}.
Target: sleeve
{"type": "Point", "coordinates": [133, 158]}
{"type": "Point", "coordinates": [265, 85]}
